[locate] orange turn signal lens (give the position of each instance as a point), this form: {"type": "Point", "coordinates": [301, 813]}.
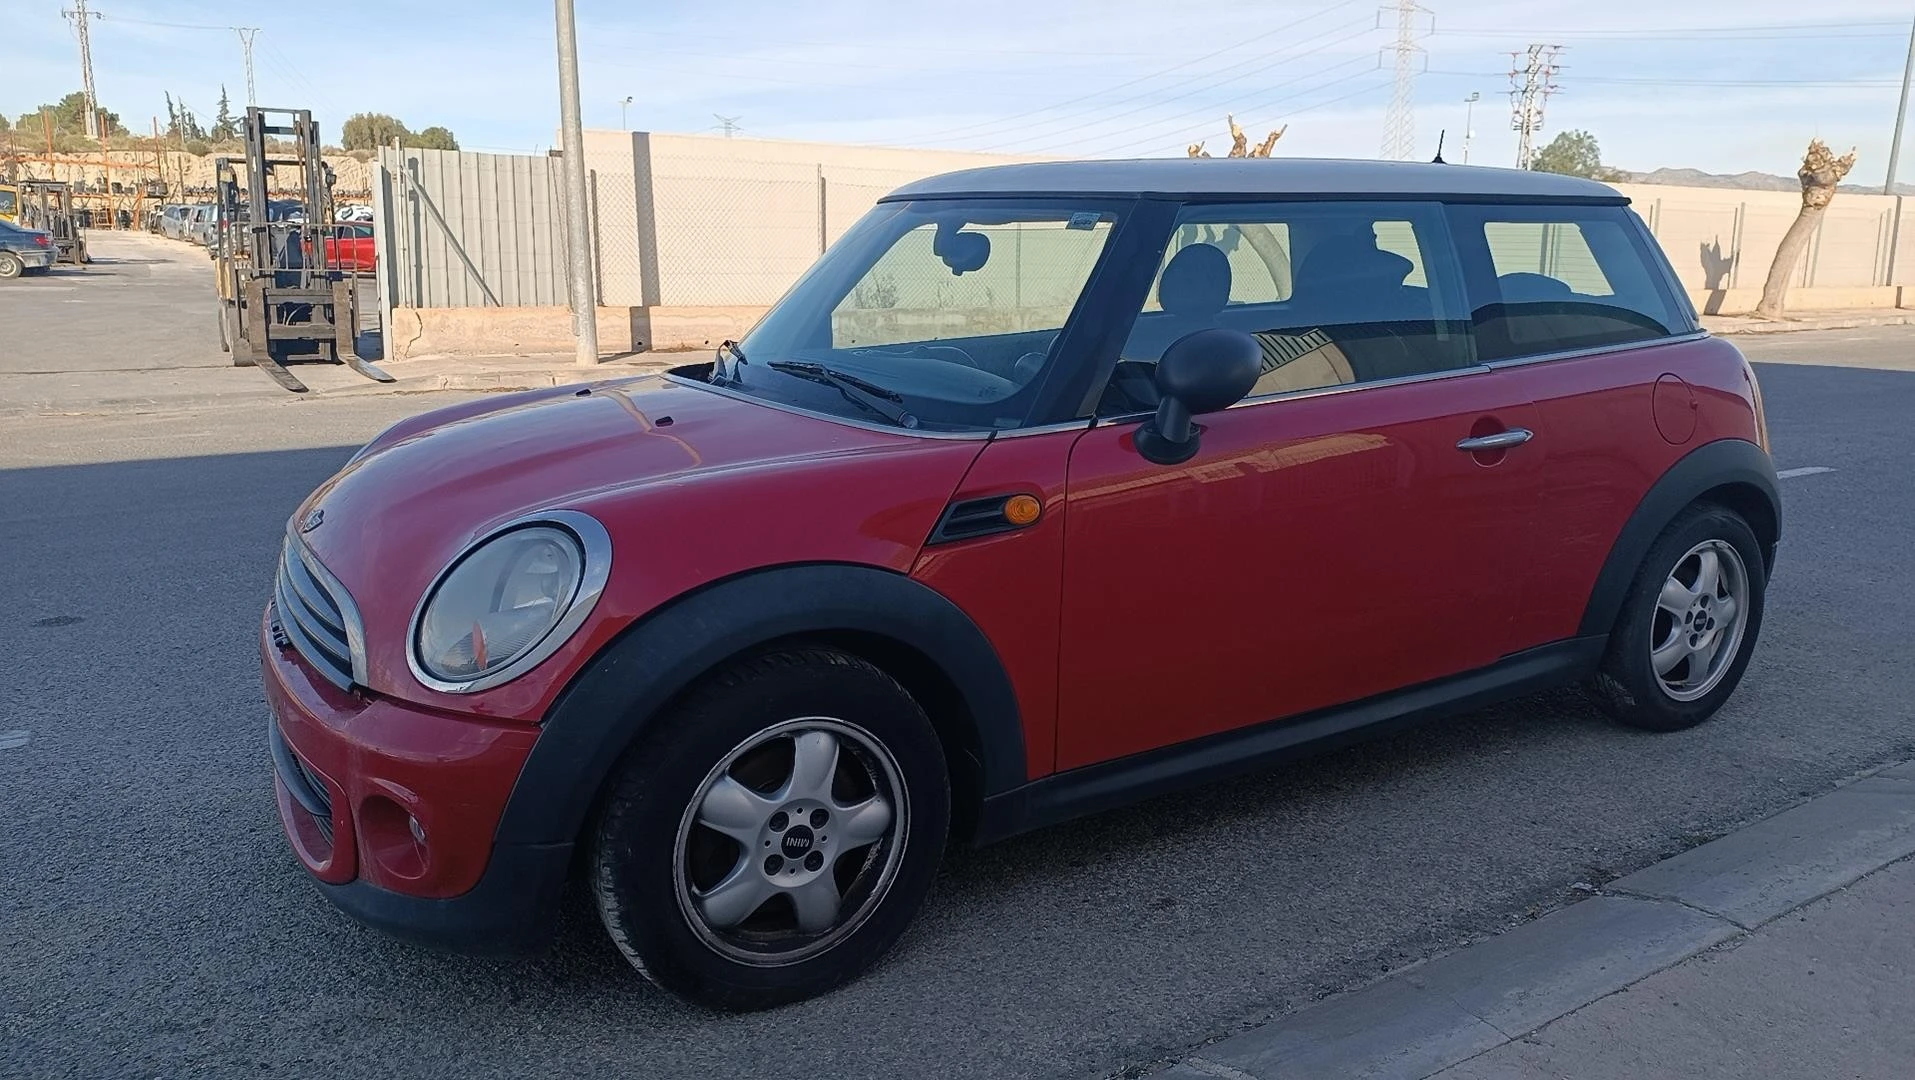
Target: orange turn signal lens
{"type": "Point", "coordinates": [1021, 510]}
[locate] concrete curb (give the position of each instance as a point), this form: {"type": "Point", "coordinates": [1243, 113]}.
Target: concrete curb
{"type": "Point", "coordinates": [1427, 1018]}
{"type": "Point", "coordinates": [498, 380]}
{"type": "Point", "coordinates": [1741, 324]}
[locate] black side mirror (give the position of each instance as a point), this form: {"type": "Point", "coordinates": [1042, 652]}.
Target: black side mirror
{"type": "Point", "coordinates": [1199, 373]}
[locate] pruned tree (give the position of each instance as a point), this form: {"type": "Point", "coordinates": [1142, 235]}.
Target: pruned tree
{"type": "Point", "coordinates": [1821, 173]}
{"type": "Point", "coordinates": [1240, 143]}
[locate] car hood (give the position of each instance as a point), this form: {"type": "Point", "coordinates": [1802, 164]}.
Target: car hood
{"type": "Point", "coordinates": [696, 484]}
{"type": "Point", "coordinates": [464, 476]}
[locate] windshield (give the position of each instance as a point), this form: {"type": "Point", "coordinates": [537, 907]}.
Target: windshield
{"type": "Point", "coordinates": [946, 312]}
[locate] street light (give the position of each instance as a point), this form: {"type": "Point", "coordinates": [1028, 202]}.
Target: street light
{"type": "Point", "coordinates": [1469, 126]}
{"type": "Point", "coordinates": [622, 106]}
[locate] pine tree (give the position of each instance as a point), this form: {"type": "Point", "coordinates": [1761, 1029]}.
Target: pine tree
{"type": "Point", "coordinates": [224, 126]}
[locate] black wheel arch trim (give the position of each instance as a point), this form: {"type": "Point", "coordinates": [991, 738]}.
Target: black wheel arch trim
{"type": "Point", "coordinates": [610, 700]}
{"type": "Point", "coordinates": [1723, 463]}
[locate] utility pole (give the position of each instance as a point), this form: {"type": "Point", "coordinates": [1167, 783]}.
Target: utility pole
{"type": "Point", "coordinates": [578, 230]}
{"type": "Point", "coordinates": [246, 35]}
{"type": "Point", "coordinates": [81, 17]}
{"type": "Point", "coordinates": [726, 124]}
{"type": "Point", "coordinates": [1530, 80]}
{"type": "Point", "coordinates": [1399, 124]}
{"type": "Point", "coordinates": [1469, 121]}
{"type": "Point", "coordinates": [1901, 116]}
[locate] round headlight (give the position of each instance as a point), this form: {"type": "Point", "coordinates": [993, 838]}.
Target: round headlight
{"type": "Point", "coordinates": [506, 604]}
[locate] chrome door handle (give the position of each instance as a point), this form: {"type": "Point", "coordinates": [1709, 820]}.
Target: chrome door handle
{"type": "Point", "coordinates": [1502, 440]}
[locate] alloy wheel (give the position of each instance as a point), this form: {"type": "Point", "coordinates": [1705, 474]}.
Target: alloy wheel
{"type": "Point", "coordinates": [1699, 620]}
{"type": "Point", "coordinates": [791, 841]}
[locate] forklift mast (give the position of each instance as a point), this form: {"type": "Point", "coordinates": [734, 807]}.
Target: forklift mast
{"type": "Point", "coordinates": [282, 290]}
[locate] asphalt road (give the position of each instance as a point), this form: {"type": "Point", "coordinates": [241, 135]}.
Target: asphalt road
{"type": "Point", "coordinates": [136, 327]}
{"type": "Point", "coordinates": [152, 923]}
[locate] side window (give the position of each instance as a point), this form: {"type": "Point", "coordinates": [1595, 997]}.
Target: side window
{"type": "Point", "coordinates": [9, 204]}
{"type": "Point", "coordinates": [1028, 280]}
{"type": "Point", "coordinates": [1334, 293]}
{"type": "Point", "coordinates": [1548, 279]}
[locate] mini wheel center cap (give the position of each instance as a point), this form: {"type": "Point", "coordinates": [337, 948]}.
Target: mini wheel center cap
{"type": "Point", "coordinates": [797, 842]}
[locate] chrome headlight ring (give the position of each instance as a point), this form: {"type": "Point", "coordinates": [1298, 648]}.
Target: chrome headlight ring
{"type": "Point", "coordinates": [478, 586]}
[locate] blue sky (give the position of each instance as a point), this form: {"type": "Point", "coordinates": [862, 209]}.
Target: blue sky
{"type": "Point", "coordinates": [1721, 85]}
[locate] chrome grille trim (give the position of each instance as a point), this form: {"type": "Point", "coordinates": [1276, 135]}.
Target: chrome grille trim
{"type": "Point", "coordinates": [318, 616]}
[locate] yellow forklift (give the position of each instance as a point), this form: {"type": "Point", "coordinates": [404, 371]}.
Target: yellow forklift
{"type": "Point", "coordinates": [46, 205]}
{"type": "Point", "coordinates": [282, 294]}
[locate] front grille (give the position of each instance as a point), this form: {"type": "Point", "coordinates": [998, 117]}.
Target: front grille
{"type": "Point", "coordinates": [316, 615]}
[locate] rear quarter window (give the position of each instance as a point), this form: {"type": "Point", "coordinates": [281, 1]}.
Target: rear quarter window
{"type": "Point", "coordinates": [1558, 279]}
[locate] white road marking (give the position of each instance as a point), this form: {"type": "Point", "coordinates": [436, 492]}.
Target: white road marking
{"type": "Point", "coordinates": [14, 740]}
{"type": "Point", "coordinates": [1806, 470]}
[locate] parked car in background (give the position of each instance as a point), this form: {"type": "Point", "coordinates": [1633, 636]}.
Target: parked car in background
{"type": "Point", "coordinates": [350, 247]}
{"type": "Point", "coordinates": [200, 225]}
{"type": "Point", "coordinates": [1050, 487]}
{"type": "Point", "coordinates": [25, 251]}
{"type": "Point", "coordinates": [172, 223]}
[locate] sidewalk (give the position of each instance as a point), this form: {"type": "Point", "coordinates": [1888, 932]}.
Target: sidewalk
{"type": "Point", "coordinates": [513, 372]}
{"type": "Point", "coordinates": [1808, 320]}
{"type": "Point", "coordinates": [1779, 951]}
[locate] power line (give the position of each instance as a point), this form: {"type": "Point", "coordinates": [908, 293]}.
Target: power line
{"type": "Point", "coordinates": [1661, 81]}
{"type": "Point", "coordinates": [1714, 33]}
{"type": "Point", "coordinates": [972, 128]}
{"type": "Point", "coordinates": [1257, 65]}
{"type": "Point", "coordinates": [1358, 92]}
{"type": "Point", "coordinates": [1151, 141]}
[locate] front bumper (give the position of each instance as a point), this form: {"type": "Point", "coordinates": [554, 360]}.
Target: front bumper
{"type": "Point", "coordinates": [361, 779]}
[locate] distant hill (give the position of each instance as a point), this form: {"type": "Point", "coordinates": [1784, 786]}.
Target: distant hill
{"type": "Point", "coordinates": [1747, 181]}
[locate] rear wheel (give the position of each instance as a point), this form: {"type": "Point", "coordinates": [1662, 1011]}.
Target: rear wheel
{"type": "Point", "coordinates": [775, 833]}
{"type": "Point", "coordinates": [10, 265]}
{"type": "Point", "coordinates": [1689, 624]}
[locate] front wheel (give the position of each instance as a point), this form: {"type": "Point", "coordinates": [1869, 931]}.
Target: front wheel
{"type": "Point", "coordinates": [774, 834]}
{"type": "Point", "coordinates": [1688, 625]}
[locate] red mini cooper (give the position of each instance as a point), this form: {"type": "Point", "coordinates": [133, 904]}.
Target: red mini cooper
{"type": "Point", "coordinates": [1048, 488]}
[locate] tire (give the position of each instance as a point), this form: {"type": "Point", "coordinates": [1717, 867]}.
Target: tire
{"type": "Point", "coordinates": [10, 265]}
{"type": "Point", "coordinates": [657, 867]}
{"type": "Point", "coordinates": [1666, 600]}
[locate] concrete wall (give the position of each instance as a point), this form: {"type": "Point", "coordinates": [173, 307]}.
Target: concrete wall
{"type": "Point", "coordinates": [695, 235]}
{"type": "Point", "coordinates": [1721, 242]}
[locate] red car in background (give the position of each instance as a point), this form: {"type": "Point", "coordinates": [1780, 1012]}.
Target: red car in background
{"type": "Point", "coordinates": [350, 247]}
{"type": "Point", "coordinates": [1049, 487]}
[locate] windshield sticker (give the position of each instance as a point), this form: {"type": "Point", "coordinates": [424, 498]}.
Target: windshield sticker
{"type": "Point", "coordinates": [1083, 219]}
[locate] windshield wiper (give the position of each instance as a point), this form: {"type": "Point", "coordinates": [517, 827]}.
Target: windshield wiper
{"type": "Point", "coordinates": [886, 403]}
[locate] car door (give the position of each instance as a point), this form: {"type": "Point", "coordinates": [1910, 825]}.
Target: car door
{"type": "Point", "coordinates": [1569, 302]}
{"type": "Point", "coordinates": [1336, 535]}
